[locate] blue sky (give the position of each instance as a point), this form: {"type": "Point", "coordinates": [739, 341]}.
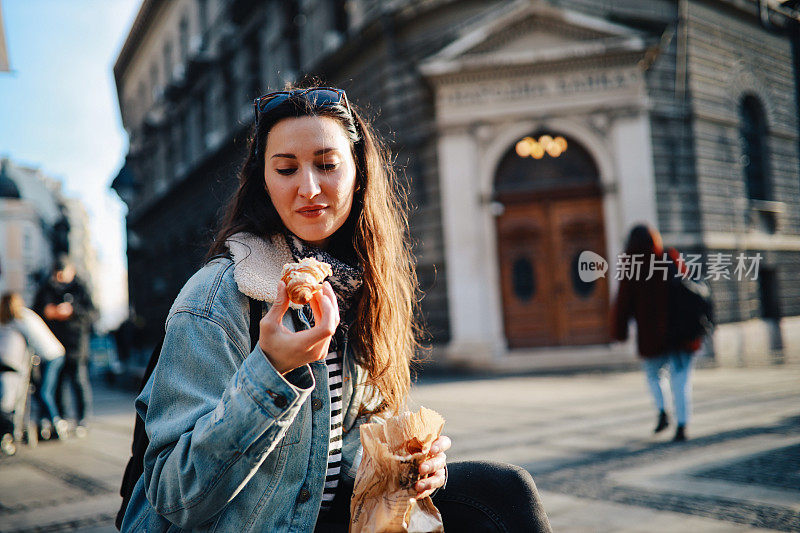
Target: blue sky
{"type": "Point", "coordinates": [59, 112]}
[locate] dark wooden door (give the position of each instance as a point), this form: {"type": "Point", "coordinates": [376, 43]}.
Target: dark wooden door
{"type": "Point", "coordinates": [526, 276]}
{"type": "Point", "coordinates": [545, 303]}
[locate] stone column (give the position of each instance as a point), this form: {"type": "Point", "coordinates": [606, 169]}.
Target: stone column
{"type": "Point", "coordinates": [467, 277]}
{"type": "Point", "coordinates": [635, 175]}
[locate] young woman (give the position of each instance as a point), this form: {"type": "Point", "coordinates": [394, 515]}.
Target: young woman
{"type": "Point", "coordinates": [646, 301]}
{"type": "Point", "coordinates": [265, 437]}
{"type": "Point", "coordinates": [39, 341]}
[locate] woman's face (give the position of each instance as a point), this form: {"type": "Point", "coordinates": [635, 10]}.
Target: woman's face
{"type": "Point", "coordinates": [310, 176]}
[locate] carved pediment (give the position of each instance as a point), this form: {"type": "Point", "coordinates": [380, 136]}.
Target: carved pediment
{"type": "Point", "coordinates": [536, 31]}
{"type": "Point", "coordinates": [531, 32]}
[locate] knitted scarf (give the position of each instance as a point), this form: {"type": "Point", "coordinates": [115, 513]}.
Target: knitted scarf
{"type": "Point", "coordinates": [346, 280]}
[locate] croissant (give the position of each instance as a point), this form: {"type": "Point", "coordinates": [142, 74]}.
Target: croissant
{"type": "Point", "coordinates": [304, 279]}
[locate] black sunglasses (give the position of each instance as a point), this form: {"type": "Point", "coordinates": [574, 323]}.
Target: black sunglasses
{"type": "Point", "coordinates": [316, 96]}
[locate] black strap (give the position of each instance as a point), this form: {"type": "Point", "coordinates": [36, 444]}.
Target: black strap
{"type": "Point", "coordinates": [140, 442]}
{"type": "Point", "coordinates": [135, 465]}
{"type": "Point", "coordinates": [256, 312]}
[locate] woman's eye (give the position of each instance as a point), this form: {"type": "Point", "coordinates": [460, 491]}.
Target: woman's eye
{"type": "Point", "coordinates": [285, 171]}
{"type": "Point", "coordinates": [327, 167]}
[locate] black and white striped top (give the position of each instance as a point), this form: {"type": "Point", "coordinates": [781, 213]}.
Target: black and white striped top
{"type": "Point", "coordinates": [334, 363]}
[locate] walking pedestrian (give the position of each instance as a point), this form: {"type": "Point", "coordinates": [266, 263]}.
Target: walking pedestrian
{"type": "Point", "coordinates": [647, 302]}
{"type": "Point", "coordinates": [14, 374]}
{"type": "Point", "coordinates": [269, 438]}
{"type": "Point", "coordinates": [41, 342]}
{"type": "Point", "coordinates": [66, 306]}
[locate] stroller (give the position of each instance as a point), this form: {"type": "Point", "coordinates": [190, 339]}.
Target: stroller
{"type": "Point", "coordinates": [16, 367]}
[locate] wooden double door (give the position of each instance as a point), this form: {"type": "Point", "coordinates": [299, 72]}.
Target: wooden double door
{"type": "Point", "coordinates": [545, 301]}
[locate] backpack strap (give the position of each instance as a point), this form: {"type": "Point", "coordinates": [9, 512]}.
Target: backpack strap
{"type": "Point", "coordinates": [140, 442]}
{"type": "Point", "coordinates": [256, 313]}
{"type": "Point", "coordinates": [135, 465]}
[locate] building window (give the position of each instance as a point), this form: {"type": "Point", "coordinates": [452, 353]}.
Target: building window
{"type": "Point", "coordinates": [204, 126]}
{"type": "Point", "coordinates": [181, 140]}
{"type": "Point", "coordinates": [166, 159]}
{"type": "Point", "coordinates": [184, 37]}
{"type": "Point", "coordinates": [217, 109]}
{"type": "Point", "coordinates": [768, 292]}
{"type": "Point", "coordinates": [154, 82]}
{"type": "Point", "coordinates": [230, 103]}
{"type": "Point", "coordinates": [28, 249]}
{"type": "Point", "coordinates": [167, 61]}
{"type": "Point", "coordinates": [755, 156]}
{"type": "Point", "coordinates": [142, 97]}
{"type": "Point", "coordinates": [186, 139]}
{"type": "Point", "coordinates": [253, 66]}
{"type": "Point", "coordinates": [341, 18]}
{"type": "Point", "coordinates": [292, 19]}
{"type": "Point", "coordinates": [202, 9]}
{"type": "Point", "coordinates": [416, 178]}
{"type": "Point", "coordinates": [176, 147]}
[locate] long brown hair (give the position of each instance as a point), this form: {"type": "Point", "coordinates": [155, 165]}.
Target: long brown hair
{"type": "Point", "coordinates": [375, 234]}
{"type": "Point", "coordinates": [644, 239]}
{"type": "Point", "coordinates": [11, 305]}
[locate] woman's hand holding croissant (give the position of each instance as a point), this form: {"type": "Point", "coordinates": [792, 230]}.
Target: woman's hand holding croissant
{"type": "Point", "coordinates": [287, 350]}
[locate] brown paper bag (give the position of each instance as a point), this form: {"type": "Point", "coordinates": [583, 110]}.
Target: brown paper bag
{"type": "Point", "coordinates": [384, 494]}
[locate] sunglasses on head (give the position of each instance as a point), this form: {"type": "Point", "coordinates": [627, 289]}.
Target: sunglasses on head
{"type": "Point", "coordinates": [316, 96]}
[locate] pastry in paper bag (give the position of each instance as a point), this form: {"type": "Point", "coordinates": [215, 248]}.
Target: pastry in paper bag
{"type": "Point", "coordinates": [384, 497]}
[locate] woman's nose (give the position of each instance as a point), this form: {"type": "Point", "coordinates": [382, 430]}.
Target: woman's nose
{"type": "Point", "coordinates": [309, 185]}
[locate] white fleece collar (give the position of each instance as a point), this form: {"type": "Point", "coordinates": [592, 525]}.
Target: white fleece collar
{"type": "Point", "coordinates": [258, 264]}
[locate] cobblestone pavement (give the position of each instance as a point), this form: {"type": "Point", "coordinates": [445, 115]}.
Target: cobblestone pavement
{"type": "Point", "coordinates": [70, 485]}
{"type": "Point", "coordinates": [585, 437]}
{"type": "Point", "coordinates": [778, 468]}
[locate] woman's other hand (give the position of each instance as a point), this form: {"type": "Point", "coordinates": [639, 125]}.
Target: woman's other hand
{"type": "Point", "coordinates": [287, 350]}
{"type": "Point", "coordinates": [432, 470]}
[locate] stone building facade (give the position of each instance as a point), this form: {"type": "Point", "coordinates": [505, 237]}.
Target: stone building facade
{"type": "Point", "coordinates": [37, 224]}
{"type": "Point", "coordinates": [25, 246]}
{"type": "Point", "coordinates": [528, 131]}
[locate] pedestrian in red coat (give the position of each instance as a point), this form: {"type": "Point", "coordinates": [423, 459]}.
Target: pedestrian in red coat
{"type": "Point", "coordinates": [647, 302]}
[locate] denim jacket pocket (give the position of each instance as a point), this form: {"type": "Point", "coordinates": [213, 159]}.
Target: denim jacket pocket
{"type": "Point", "coordinates": [295, 431]}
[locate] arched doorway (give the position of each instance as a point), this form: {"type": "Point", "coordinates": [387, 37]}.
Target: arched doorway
{"type": "Point", "coordinates": [550, 190]}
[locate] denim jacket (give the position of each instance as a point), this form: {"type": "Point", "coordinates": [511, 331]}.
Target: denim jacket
{"type": "Point", "coordinates": [235, 445]}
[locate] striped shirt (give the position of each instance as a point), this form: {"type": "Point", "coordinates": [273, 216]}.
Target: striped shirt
{"type": "Point", "coordinates": [334, 363]}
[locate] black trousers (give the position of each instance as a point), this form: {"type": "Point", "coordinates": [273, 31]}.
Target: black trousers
{"type": "Point", "coordinates": [480, 496]}
{"type": "Point", "coordinates": [75, 378]}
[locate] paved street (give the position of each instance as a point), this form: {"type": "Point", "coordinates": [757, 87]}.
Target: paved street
{"type": "Point", "coordinates": [585, 437]}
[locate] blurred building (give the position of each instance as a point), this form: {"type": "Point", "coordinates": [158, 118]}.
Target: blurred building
{"type": "Point", "coordinates": [529, 130]}
{"type": "Point", "coordinates": [4, 67]}
{"type": "Point", "coordinates": [29, 213]}
{"type": "Point", "coordinates": [37, 223]}
{"type": "Point", "coordinates": [82, 252]}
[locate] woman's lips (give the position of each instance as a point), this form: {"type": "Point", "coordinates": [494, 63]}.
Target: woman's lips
{"type": "Point", "coordinates": [312, 211]}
